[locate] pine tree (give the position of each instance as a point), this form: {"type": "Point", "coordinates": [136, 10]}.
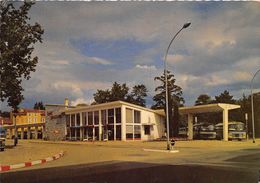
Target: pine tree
{"type": "Point", "coordinates": [175, 100]}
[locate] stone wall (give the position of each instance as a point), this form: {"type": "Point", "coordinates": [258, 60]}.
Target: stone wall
{"type": "Point", "coordinates": [55, 128]}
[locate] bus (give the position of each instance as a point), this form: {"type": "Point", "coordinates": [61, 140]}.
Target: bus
{"type": "Point", "coordinates": [2, 138]}
{"type": "Point", "coordinates": [236, 130]}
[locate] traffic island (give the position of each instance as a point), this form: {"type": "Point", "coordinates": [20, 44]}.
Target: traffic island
{"type": "Point", "coordinates": [4, 168]}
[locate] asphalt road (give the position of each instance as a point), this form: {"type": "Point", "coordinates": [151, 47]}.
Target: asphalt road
{"type": "Point", "coordinates": [130, 172]}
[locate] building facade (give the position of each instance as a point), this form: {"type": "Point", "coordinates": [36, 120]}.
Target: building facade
{"type": "Point", "coordinates": [109, 121]}
{"type": "Point", "coordinates": [30, 124]}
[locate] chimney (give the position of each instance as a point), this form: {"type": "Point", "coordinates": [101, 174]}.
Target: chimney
{"type": "Point", "coordinates": [66, 102]}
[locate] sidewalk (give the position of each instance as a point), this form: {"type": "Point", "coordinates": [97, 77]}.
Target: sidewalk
{"type": "Point", "coordinates": [26, 152]}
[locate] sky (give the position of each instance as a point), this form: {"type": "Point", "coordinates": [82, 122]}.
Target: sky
{"type": "Point", "coordinates": [89, 45]}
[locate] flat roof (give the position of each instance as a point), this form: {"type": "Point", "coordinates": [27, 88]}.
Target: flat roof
{"type": "Point", "coordinates": [218, 107]}
{"type": "Point", "coordinates": [110, 104]}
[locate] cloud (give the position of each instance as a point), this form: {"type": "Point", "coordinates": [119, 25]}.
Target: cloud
{"type": "Point", "coordinates": [99, 43]}
{"type": "Point", "coordinates": [81, 101]}
{"type": "Point", "coordinates": [101, 61]}
{"type": "Point", "coordinates": [151, 67]}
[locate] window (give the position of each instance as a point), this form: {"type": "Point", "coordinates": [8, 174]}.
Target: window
{"type": "Point", "coordinates": [67, 120]}
{"type": "Point", "coordinates": [73, 120]}
{"type": "Point", "coordinates": [78, 119]}
{"type": "Point", "coordinates": [137, 132]}
{"type": "Point", "coordinates": [118, 132]}
{"type": "Point", "coordinates": [129, 115]}
{"type": "Point", "coordinates": [147, 130]}
{"type": "Point", "coordinates": [84, 119]}
{"type": "Point", "coordinates": [104, 117]}
{"type": "Point", "coordinates": [118, 115]}
{"type": "Point", "coordinates": [129, 131]}
{"type": "Point", "coordinates": [137, 117]}
{"type": "Point", "coordinates": [90, 118]}
{"type": "Point", "coordinates": [110, 132]}
{"type": "Point", "coordinates": [96, 117]}
{"type": "Point", "coordinates": [96, 133]}
{"type": "Point", "coordinates": [110, 116]}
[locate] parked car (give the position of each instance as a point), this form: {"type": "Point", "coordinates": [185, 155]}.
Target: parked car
{"type": "Point", "coordinates": [200, 131]}
{"type": "Point", "coordinates": [2, 138]}
{"type": "Point", "coordinates": [236, 130]}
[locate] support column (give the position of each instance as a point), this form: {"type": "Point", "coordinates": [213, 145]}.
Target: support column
{"type": "Point", "coordinates": [36, 132]}
{"type": "Point", "coordinates": [28, 133]}
{"type": "Point", "coordinates": [225, 125]}
{"type": "Point", "coordinates": [22, 133]}
{"type": "Point", "coordinates": [81, 133]}
{"type": "Point", "coordinates": [190, 126]}
{"type": "Point", "coordinates": [99, 126]}
{"type": "Point", "coordinates": [43, 132]}
{"type": "Point", "coordinates": [114, 123]}
{"type": "Point", "coordinates": [76, 134]}
{"type": "Point", "coordinates": [93, 131]}
{"type": "Point", "coordinates": [123, 123]}
{"type": "Point", "coordinates": [70, 132]}
{"type": "Point", "coordinates": [11, 133]}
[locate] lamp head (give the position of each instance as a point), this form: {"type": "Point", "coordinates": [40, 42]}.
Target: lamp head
{"type": "Point", "coordinates": [186, 25]}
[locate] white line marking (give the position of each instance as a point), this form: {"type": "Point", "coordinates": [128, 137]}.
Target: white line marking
{"type": "Point", "coordinates": [158, 150]}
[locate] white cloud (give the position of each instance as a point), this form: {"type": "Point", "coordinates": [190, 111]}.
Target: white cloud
{"type": "Point", "coordinates": [220, 49]}
{"type": "Point", "coordinates": [172, 59]}
{"type": "Point", "coordinates": [151, 67]}
{"type": "Point", "coordinates": [81, 101]}
{"type": "Point", "coordinates": [101, 61]}
{"type": "Point", "coordinates": [62, 62]}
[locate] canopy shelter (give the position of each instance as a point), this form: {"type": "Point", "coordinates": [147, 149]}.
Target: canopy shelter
{"type": "Point", "coordinates": [219, 107]}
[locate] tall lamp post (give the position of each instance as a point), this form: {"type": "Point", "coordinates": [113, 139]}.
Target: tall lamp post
{"type": "Point", "coordinates": [166, 84]}
{"type": "Point", "coordinates": [252, 106]}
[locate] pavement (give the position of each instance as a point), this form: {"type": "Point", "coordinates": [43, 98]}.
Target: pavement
{"type": "Point", "coordinates": [234, 158]}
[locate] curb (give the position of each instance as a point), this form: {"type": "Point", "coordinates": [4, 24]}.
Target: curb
{"type": "Point", "coordinates": [4, 168]}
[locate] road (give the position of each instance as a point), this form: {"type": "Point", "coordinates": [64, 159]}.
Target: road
{"type": "Point", "coordinates": [197, 161]}
{"type": "Point", "coordinates": [129, 172]}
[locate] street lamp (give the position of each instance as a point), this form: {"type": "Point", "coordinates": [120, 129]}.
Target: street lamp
{"type": "Point", "coordinates": [166, 84]}
{"type": "Point", "coordinates": [252, 106]}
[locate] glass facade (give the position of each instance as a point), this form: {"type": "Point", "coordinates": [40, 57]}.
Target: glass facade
{"type": "Point", "coordinates": [84, 119]}
{"type": "Point", "coordinates": [90, 118]}
{"type": "Point", "coordinates": [73, 120]}
{"type": "Point", "coordinates": [104, 117]}
{"type": "Point", "coordinates": [129, 132]}
{"type": "Point", "coordinates": [118, 115]}
{"type": "Point", "coordinates": [110, 116]}
{"type": "Point", "coordinates": [78, 119]}
{"type": "Point", "coordinates": [96, 117]}
{"type": "Point", "coordinates": [85, 125]}
{"type": "Point", "coordinates": [137, 116]}
{"type": "Point", "coordinates": [129, 115]}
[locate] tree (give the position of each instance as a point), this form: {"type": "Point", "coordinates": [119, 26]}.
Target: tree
{"type": "Point", "coordinates": [203, 99]}
{"type": "Point", "coordinates": [138, 95]}
{"type": "Point", "coordinates": [175, 100]}
{"type": "Point", "coordinates": [102, 96]}
{"type": "Point", "coordinates": [121, 92]}
{"type": "Point", "coordinates": [39, 106]}
{"type": "Point", "coordinates": [17, 37]}
{"type": "Point", "coordinates": [4, 114]}
{"type": "Point", "coordinates": [224, 97]}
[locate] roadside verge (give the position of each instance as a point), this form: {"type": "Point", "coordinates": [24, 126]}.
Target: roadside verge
{"type": "Point", "coordinates": [4, 168]}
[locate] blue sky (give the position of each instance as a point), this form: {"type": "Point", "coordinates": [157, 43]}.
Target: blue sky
{"type": "Point", "coordinates": [89, 45]}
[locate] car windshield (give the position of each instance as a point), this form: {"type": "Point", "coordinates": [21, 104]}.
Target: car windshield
{"type": "Point", "coordinates": [236, 126]}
